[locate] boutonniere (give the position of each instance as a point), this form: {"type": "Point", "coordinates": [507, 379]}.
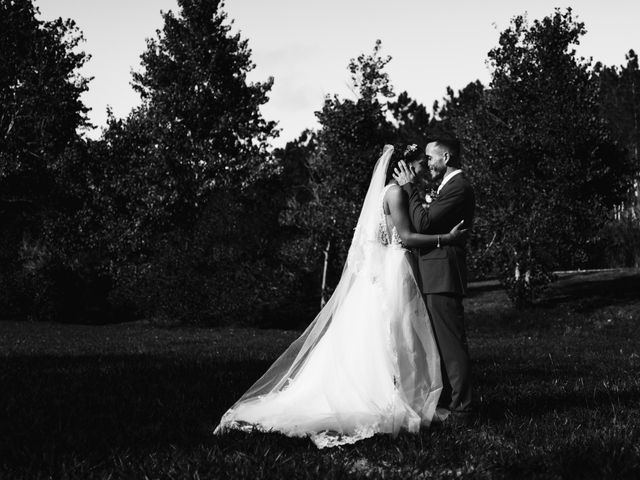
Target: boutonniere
{"type": "Point", "coordinates": [431, 197]}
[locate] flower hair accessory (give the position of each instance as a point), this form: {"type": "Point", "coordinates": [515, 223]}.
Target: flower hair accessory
{"type": "Point", "coordinates": [410, 148]}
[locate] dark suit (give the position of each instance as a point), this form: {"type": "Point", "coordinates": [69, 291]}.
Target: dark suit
{"type": "Point", "coordinates": [443, 275]}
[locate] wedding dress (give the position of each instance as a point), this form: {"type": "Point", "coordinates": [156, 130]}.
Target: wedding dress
{"type": "Point", "coordinates": [368, 363]}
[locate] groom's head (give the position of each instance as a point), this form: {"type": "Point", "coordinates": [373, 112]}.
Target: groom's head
{"type": "Point", "coordinates": [442, 151]}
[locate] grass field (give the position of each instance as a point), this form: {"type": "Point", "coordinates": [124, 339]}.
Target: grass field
{"type": "Point", "coordinates": [559, 385]}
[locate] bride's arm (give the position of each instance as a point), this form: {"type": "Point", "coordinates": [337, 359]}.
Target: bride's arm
{"type": "Point", "coordinates": [399, 208]}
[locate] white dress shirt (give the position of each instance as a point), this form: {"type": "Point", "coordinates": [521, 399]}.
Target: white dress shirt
{"type": "Point", "coordinates": [448, 177]}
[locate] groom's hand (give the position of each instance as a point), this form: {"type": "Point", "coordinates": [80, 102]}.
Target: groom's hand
{"type": "Point", "coordinates": [403, 173]}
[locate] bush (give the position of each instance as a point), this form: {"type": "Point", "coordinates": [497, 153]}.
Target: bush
{"type": "Point", "coordinates": [226, 269]}
{"type": "Point", "coordinates": [618, 244]}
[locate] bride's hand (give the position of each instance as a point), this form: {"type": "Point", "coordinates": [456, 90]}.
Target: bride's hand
{"type": "Point", "coordinates": [404, 173]}
{"type": "Point", "coordinates": [458, 236]}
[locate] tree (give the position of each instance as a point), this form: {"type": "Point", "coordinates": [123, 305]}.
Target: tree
{"type": "Point", "coordinates": [40, 115]}
{"type": "Point", "coordinates": [329, 169]}
{"type": "Point", "coordinates": [186, 187]}
{"type": "Point", "coordinates": [40, 96]}
{"type": "Point", "coordinates": [340, 160]}
{"type": "Point", "coordinates": [458, 104]}
{"type": "Point", "coordinates": [620, 103]}
{"type": "Point", "coordinates": [544, 166]}
{"type": "Point", "coordinates": [411, 119]}
{"type": "Point", "coordinates": [202, 116]}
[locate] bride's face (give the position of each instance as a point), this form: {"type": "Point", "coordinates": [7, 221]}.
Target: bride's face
{"type": "Point", "coordinates": [421, 168]}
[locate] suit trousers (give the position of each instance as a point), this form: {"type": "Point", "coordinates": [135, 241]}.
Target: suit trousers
{"type": "Point", "coordinates": [447, 318]}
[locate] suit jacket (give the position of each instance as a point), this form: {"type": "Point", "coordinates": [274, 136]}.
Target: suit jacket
{"type": "Point", "coordinates": [443, 270]}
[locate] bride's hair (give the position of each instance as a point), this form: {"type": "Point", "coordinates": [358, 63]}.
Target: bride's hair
{"type": "Point", "coordinates": [411, 154]}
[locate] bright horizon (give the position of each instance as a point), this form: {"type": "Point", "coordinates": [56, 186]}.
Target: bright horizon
{"type": "Point", "coordinates": [306, 46]}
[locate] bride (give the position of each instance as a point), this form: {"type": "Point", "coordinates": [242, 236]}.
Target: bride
{"type": "Point", "coordinates": [368, 363]}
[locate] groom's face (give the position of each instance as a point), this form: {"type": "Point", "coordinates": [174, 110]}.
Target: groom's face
{"type": "Point", "coordinates": [437, 158]}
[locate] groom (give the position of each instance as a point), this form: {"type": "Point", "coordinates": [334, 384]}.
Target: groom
{"type": "Point", "coordinates": [443, 270]}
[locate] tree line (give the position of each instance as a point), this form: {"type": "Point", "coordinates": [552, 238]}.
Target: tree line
{"type": "Point", "coordinates": [183, 212]}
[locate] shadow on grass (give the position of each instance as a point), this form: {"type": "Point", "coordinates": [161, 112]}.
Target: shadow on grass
{"type": "Point", "coordinates": [533, 405]}
{"type": "Point", "coordinates": [95, 405]}
{"type": "Point", "coordinates": [85, 408]}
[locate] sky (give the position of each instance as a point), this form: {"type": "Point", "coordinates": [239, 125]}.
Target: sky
{"type": "Point", "coordinates": [306, 45]}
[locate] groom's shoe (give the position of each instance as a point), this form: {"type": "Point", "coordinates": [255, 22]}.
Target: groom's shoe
{"type": "Point", "coordinates": [440, 416]}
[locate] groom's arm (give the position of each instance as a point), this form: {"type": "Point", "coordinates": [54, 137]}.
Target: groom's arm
{"type": "Point", "coordinates": [443, 214]}
{"type": "Point", "coordinates": [419, 215]}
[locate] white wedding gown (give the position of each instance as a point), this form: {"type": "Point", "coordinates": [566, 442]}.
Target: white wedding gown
{"type": "Point", "coordinates": [368, 363]}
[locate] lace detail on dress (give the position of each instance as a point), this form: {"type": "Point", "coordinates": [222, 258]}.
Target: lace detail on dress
{"type": "Point", "coordinates": [383, 234]}
{"type": "Point", "coordinates": [322, 439]}
{"type": "Point", "coordinates": [386, 237]}
{"type": "Point", "coordinates": [335, 439]}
